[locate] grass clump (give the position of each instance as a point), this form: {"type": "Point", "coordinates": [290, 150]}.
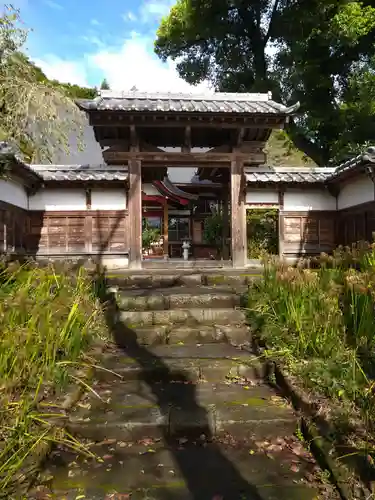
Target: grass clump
{"type": "Point", "coordinates": [317, 319]}
{"type": "Point", "coordinates": [48, 318]}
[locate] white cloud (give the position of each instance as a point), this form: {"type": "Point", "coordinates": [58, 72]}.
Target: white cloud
{"type": "Point", "coordinates": [153, 10]}
{"type": "Point", "coordinates": [136, 64]}
{"type": "Point", "coordinates": [93, 40]}
{"type": "Point", "coordinates": [133, 63]}
{"type": "Point", "coordinates": [64, 71]}
{"type": "Point", "coordinates": [53, 5]}
{"type": "Point", "coordinates": [129, 16]}
{"type": "Point", "coordinates": [95, 22]}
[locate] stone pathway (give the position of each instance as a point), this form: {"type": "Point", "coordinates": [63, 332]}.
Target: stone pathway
{"type": "Point", "coordinates": [181, 412]}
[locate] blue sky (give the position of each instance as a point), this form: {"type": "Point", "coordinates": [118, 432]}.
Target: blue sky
{"type": "Point", "coordinates": [84, 41]}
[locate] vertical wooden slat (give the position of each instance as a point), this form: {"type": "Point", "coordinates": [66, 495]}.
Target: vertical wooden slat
{"type": "Point", "coordinates": [238, 214]}
{"type": "Point", "coordinates": [88, 233]}
{"type": "Point", "coordinates": [135, 213]}
{"type": "Point", "coordinates": [281, 229]}
{"type": "Point", "coordinates": [225, 234]}
{"type": "Point", "coordinates": [88, 199]}
{"type": "Point", "coordinates": [165, 231]}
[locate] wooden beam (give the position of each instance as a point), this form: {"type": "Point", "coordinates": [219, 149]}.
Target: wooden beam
{"type": "Point", "coordinates": [88, 198]}
{"type": "Point", "coordinates": [281, 221]}
{"type": "Point", "coordinates": [238, 214]}
{"type": "Point", "coordinates": [187, 158]}
{"type": "Point", "coordinates": [135, 211]}
{"type": "Point", "coordinates": [240, 136]}
{"type": "Point", "coordinates": [186, 148]}
{"type": "Point", "coordinates": [134, 141]}
{"type": "Point", "coordinates": [249, 120]}
{"type": "Point", "coordinates": [165, 231]}
{"type": "Point", "coordinates": [221, 121]}
{"type": "Point", "coordinates": [225, 234]}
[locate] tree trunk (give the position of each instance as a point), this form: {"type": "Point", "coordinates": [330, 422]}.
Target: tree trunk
{"type": "Point", "coordinates": [304, 144]}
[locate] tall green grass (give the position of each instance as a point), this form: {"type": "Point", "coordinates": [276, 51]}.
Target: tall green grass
{"type": "Point", "coordinates": [49, 316]}
{"type": "Point", "coordinates": [318, 318]}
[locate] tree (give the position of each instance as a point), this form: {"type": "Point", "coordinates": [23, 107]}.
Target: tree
{"type": "Point", "coordinates": [104, 85]}
{"type": "Point", "coordinates": [321, 56]}
{"type": "Point", "coordinates": [35, 114]}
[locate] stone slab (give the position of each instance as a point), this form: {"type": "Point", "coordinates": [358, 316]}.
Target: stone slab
{"type": "Point", "coordinates": [133, 319]}
{"type": "Point", "coordinates": [186, 472]}
{"type": "Point", "coordinates": [167, 299]}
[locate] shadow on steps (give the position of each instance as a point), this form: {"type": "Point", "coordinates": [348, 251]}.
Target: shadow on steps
{"type": "Point", "coordinates": [207, 473]}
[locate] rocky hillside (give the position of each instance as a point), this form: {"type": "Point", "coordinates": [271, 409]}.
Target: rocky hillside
{"type": "Point", "coordinates": [281, 152]}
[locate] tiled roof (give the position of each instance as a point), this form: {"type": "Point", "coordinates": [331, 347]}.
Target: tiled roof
{"type": "Point", "coordinates": [11, 155]}
{"type": "Point", "coordinates": [367, 156]}
{"type": "Point", "coordinates": [208, 103]}
{"type": "Point", "coordinates": [280, 174]}
{"type": "Point", "coordinates": [81, 172]}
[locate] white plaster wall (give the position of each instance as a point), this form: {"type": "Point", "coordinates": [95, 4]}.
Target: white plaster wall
{"type": "Point", "coordinates": [298, 200]}
{"type": "Point", "coordinates": [58, 199]}
{"type": "Point", "coordinates": [261, 196]}
{"type": "Point", "coordinates": [110, 199]}
{"type": "Point", "coordinates": [358, 191]}
{"type": "Point", "coordinates": [150, 189]}
{"type": "Point", "coordinates": [13, 193]}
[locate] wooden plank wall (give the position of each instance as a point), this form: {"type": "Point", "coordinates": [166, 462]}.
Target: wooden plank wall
{"type": "Point", "coordinates": [356, 224]}
{"type": "Point", "coordinates": [13, 228]}
{"type": "Point", "coordinates": [78, 232]}
{"type": "Point", "coordinates": [307, 232]}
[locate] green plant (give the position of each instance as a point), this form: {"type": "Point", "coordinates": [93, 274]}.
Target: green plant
{"type": "Point", "coordinates": [320, 324]}
{"type": "Point", "coordinates": [49, 317]}
{"type": "Point", "coordinates": [213, 231]}
{"type": "Point", "coordinates": [262, 232]}
{"type": "Point", "coordinates": [150, 235]}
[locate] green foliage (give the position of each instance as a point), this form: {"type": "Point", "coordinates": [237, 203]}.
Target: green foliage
{"type": "Point", "coordinates": [322, 51]}
{"type": "Point", "coordinates": [213, 230]}
{"type": "Point", "coordinates": [150, 235]}
{"type": "Point", "coordinates": [262, 232]}
{"type": "Point", "coordinates": [49, 317]}
{"type": "Point", "coordinates": [36, 114]}
{"type": "Point", "coordinates": [320, 324]}
{"type": "Point", "coordinates": [104, 85]}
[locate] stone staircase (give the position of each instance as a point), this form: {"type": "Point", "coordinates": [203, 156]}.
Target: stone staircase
{"type": "Point", "coordinates": [179, 410]}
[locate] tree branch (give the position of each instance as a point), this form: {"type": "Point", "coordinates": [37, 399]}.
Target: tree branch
{"type": "Point", "coordinates": [304, 144]}
{"type": "Point", "coordinates": [272, 21]}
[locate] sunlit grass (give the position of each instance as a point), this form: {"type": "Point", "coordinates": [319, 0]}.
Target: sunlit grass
{"type": "Point", "coordinates": [317, 318]}
{"type": "Point", "coordinates": [49, 316]}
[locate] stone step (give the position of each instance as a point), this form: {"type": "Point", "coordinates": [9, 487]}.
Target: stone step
{"type": "Point", "coordinates": [115, 400]}
{"type": "Point", "coordinates": [188, 471]}
{"type": "Point", "coordinates": [179, 298]}
{"type": "Point", "coordinates": [180, 278]}
{"type": "Point", "coordinates": [170, 410]}
{"type": "Point", "coordinates": [174, 334]}
{"type": "Point", "coordinates": [197, 315]}
{"type": "Point", "coordinates": [209, 362]}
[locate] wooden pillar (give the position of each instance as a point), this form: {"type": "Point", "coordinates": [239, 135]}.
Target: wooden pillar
{"type": "Point", "coordinates": [135, 213]}
{"type": "Point", "coordinates": [225, 235]}
{"type": "Point", "coordinates": [165, 231]}
{"type": "Point", "coordinates": [238, 213]}
{"type": "Point", "coordinates": [281, 222]}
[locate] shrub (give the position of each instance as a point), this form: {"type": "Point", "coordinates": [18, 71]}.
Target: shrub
{"type": "Point", "coordinates": [262, 233]}
{"type": "Point", "coordinates": [320, 323]}
{"type": "Point", "coordinates": [48, 318]}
